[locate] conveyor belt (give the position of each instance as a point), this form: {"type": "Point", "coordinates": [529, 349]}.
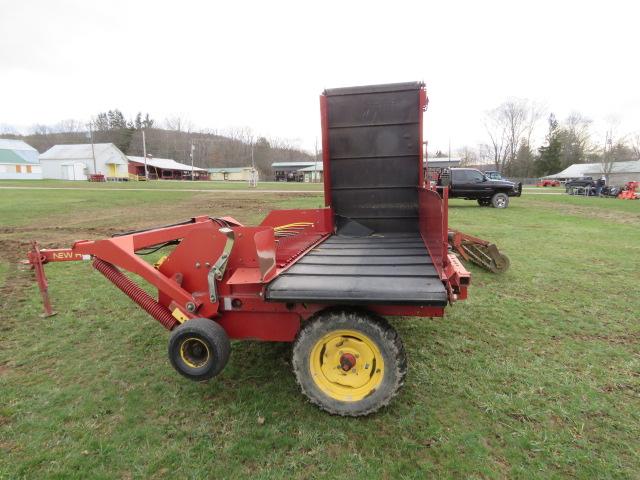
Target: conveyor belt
{"type": "Point", "coordinates": [391, 269]}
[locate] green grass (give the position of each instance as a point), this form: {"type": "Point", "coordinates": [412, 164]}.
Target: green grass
{"type": "Point", "coordinates": [536, 375]}
{"type": "Point", "coordinates": [163, 185]}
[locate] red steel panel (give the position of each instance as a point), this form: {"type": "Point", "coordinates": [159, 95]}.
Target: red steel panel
{"type": "Point", "coordinates": [432, 228]}
{"type": "Point", "coordinates": [275, 327]}
{"type": "Point", "coordinates": [324, 121]}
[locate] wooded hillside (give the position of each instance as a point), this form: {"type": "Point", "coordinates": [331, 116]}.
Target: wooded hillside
{"type": "Point", "coordinates": [230, 148]}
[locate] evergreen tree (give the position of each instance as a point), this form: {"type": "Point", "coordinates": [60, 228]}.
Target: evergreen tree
{"type": "Point", "coordinates": [147, 122]}
{"type": "Point", "coordinates": [523, 163]}
{"type": "Point", "coordinates": [549, 160]}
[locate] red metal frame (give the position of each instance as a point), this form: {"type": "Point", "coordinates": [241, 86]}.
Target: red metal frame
{"type": "Point", "coordinates": [259, 254]}
{"type": "Point", "coordinates": [326, 164]}
{"type": "Point", "coordinates": [423, 102]}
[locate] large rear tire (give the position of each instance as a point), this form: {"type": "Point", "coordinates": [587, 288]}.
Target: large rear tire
{"type": "Point", "coordinates": [199, 349]}
{"type": "Point", "coordinates": [349, 362]}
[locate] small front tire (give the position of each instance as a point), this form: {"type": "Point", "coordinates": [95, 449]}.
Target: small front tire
{"type": "Point", "coordinates": [199, 349]}
{"type": "Point", "coordinates": [349, 362]}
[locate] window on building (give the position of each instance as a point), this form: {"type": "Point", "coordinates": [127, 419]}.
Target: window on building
{"type": "Point", "coordinates": [18, 169]}
{"type": "Point", "coordinates": [28, 168]}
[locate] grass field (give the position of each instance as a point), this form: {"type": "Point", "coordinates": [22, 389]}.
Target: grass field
{"type": "Point", "coordinates": [161, 185]}
{"type": "Point", "coordinates": [537, 375]}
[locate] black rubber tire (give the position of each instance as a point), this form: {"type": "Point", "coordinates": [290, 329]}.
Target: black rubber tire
{"type": "Point", "coordinates": [484, 202]}
{"type": "Point", "coordinates": [500, 200]}
{"type": "Point", "coordinates": [198, 332]}
{"type": "Point", "coordinates": [379, 331]}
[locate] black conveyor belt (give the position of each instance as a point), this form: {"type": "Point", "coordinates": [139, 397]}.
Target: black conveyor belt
{"type": "Point", "coordinates": [390, 269]}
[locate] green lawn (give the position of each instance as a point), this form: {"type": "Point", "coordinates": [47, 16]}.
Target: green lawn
{"type": "Point", "coordinates": [163, 185]}
{"type": "Point", "coordinates": [536, 375]}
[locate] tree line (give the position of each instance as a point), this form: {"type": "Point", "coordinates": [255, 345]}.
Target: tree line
{"type": "Point", "coordinates": [232, 147]}
{"type": "Point", "coordinates": [511, 131]}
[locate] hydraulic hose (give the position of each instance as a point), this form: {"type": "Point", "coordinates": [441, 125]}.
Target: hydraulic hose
{"type": "Point", "coordinates": [135, 293]}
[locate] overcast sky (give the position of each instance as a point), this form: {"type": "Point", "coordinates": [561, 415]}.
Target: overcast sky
{"type": "Point", "coordinates": [263, 64]}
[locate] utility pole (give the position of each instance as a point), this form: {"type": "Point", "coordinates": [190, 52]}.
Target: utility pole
{"type": "Point", "coordinates": [315, 176]}
{"type": "Point", "coordinates": [93, 152]}
{"type": "Point", "coordinates": [253, 178]}
{"type": "Point", "coordinates": [144, 152]}
{"type": "Point", "coordinates": [192, 149]}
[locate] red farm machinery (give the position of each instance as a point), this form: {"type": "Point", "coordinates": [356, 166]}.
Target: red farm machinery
{"type": "Point", "coordinates": [323, 278]}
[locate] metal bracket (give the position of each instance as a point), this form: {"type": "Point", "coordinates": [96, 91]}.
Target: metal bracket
{"type": "Point", "coordinates": [217, 270]}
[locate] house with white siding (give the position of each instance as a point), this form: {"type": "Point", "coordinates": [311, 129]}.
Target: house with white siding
{"type": "Point", "coordinates": [18, 161]}
{"type": "Point", "coordinates": [76, 162]}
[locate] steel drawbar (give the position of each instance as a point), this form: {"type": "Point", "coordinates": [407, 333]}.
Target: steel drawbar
{"type": "Point", "coordinates": [135, 293]}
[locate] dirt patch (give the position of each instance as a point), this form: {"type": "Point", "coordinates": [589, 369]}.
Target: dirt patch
{"type": "Point", "coordinates": [93, 224]}
{"type": "Point", "coordinates": [61, 230]}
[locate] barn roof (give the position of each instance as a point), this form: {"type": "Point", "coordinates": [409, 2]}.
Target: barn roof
{"type": "Point", "coordinates": [17, 152]}
{"type": "Point", "coordinates": [632, 166]}
{"type": "Point", "coordinates": [292, 164]}
{"type": "Point", "coordinates": [11, 144]}
{"type": "Point", "coordinates": [318, 167]}
{"type": "Point", "coordinates": [165, 164]}
{"type": "Point", "coordinates": [443, 162]}
{"type": "Point", "coordinates": [11, 157]}
{"type": "Point", "coordinates": [585, 169]}
{"type": "Point", "coordinates": [105, 152]}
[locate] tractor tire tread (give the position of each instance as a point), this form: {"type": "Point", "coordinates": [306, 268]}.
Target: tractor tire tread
{"type": "Point", "coordinates": [336, 318]}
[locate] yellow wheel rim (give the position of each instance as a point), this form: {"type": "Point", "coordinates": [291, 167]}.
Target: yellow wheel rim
{"type": "Point", "coordinates": [194, 352]}
{"type": "Point", "coordinates": [346, 365]}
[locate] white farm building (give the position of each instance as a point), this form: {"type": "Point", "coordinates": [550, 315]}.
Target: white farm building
{"type": "Point", "coordinates": [76, 162]}
{"type": "Point", "coordinates": [619, 172]}
{"type": "Point", "coordinates": [18, 161]}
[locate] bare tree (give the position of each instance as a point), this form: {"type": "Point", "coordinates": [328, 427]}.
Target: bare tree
{"type": "Point", "coordinates": [514, 116]}
{"type": "Point", "coordinates": [495, 150]}
{"type": "Point", "coordinates": [536, 112]}
{"type": "Point", "coordinates": [635, 145]}
{"type": "Point", "coordinates": [613, 145]}
{"type": "Point", "coordinates": [69, 126]}
{"type": "Point", "coordinates": [178, 124]}
{"type": "Point", "coordinates": [40, 129]}
{"type": "Point", "coordinates": [508, 125]}
{"type": "Point", "coordinates": [468, 155]}
{"type": "Point", "coordinates": [576, 139]}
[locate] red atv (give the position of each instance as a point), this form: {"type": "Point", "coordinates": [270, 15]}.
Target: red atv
{"type": "Point", "coordinates": [547, 183]}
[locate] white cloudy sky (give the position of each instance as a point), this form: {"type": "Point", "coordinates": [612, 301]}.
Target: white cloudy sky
{"type": "Point", "coordinates": [263, 64]}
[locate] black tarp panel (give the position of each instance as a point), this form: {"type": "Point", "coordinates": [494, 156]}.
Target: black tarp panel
{"type": "Point", "coordinates": [375, 154]}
